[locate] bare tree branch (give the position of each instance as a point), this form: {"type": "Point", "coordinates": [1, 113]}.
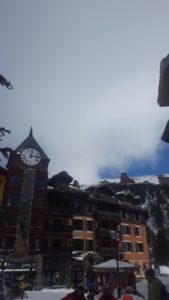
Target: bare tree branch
{"type": "Point", "coordinates": [6, 150]}
{"type": "Point", "coordinates": [3, 130]}
{"type": "Point", "coordinates": [4, 81]}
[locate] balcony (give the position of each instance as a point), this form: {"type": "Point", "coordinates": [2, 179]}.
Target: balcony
{"type": "Point", "coordinates": [110, 252]}
{"type": "Point", "coordinates": [107, 251]}
{"type": "Point", "coordinates": [58, 251]}
{"type": "Point", "coordinates": [103, 232]}
{"type": "Point", "coordinates": [34, 249]}
{"type": "Point", "coordinates": [54, 209]}
{"type": "Point", "coordinates": [7, 250]}
{"type": "Point", "coordinates": [58, 229]}
{"type": "Point", "coordinates": [108, 216]}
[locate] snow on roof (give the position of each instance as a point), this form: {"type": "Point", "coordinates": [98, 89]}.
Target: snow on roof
{"type": "Point", "coordinates": [164, 270]}
{"type": "Point", "coordinates": [79, 258]}
{"type": "Point", "coordinates": [120, 193]}
{"type": "Point", "coordinates": [82, 255]}
{"type": "Point", "coordinates": [112, 265]}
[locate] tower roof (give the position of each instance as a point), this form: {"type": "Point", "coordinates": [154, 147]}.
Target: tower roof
{"type": "Point", "coordinates": [31, 142]}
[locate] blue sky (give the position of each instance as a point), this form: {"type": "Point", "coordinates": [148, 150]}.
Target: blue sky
{"type": "Point", "coordinates": [85, 77]}
{"type": "Point", "coordinates": [139, 168]}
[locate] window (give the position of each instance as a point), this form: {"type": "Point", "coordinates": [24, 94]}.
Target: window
{"type": "Point", "coordinates": [9, 242]}
{"type": "Point", "coordinates": [15, 180]}
{"type": "Point", "coordinates": [69, 242]}
{"type": "Point", "coordinates": [124, 215]}
{"type": "Point", "coordinates": [137, 216]}
{"type": "Point", "coordinates": [13, 199]}
{"type": "Point", "coordinates": [78, 224]}
{"type": "Point", "coordinates": [78, 244]}
{"type": "Point", "coordinates": [139, 247]}
{"type": "Point", "coordinates": [66, 243]}
{"type": "Point", "coordinates": [106, 243]}
{"type": "Point", "coordinates": [37, 243]}
{"type": "Point", "coordinates": [45, 243]}
{"type": "Point", "coordinates": [58, 223]}
{"type": "Point", "coordinates": [137, 231]}
{"type": "Point", "coordinates": [35, 222]}
{"type": "Point", "coordinates": [56, 244]}
{"type": "Point", "coordinates": [105, 224]}
{"type": "Point", "coordinates": [62, 183]}
{"type": "Point", "coordinates": [127, 246]}
{"type": "Point", "coordinates": [77, 207]}
{"type": "Point", "coordinates": [90, 207]}
{"type": "Point", "coordinates": [37, 202]}
{"type": "Point", "coordinates": [34, 244]}
{"type": "Point", "coordinates": [125, 229]}
{"type": "Point", "coordinates": [12, 222]}
{"type": "Point", "coordinates": [89, 225]}
{"type": "Point", "coordinates": [90, 245]}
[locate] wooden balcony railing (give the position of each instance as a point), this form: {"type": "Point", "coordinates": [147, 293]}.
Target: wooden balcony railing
{"type": "Point", "coordinates": [108, 216]}
{"type": "Point", "coordinates": [58, 229]}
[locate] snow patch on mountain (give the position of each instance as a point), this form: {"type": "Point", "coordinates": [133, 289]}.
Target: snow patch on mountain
{"type": "Point", "coordinates": [154, 179]}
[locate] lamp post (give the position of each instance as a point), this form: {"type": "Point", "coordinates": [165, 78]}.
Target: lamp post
{"type": "Point", "coordinates": [116, 237]}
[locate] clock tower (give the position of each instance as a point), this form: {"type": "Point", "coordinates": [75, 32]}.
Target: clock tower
{"type": "Point", "coordinates": [25, 196]}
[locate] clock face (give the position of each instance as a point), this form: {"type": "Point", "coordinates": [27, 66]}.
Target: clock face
{"type": "Point", "coordinates": [30, 156]}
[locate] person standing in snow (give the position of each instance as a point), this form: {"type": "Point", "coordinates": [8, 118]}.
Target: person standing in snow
{"type": "Point", "coordinates": [107, 293]}
{"type": "Point", "coordinates": [126, 294]}
{"type": "Point", "coordinates": [77, 294]}
{"type": "Point", "coordinates": [154, 285]}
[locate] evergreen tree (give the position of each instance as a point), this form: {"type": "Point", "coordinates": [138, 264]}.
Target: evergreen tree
{"type": "Point", "coordinates": [3, 131]}
{"type": "Point", "coordinates": [161, 247]}
{"type": "Point", "coordinates": [159, 216]}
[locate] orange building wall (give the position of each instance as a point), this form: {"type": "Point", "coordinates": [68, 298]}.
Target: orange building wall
{"type": "Point", "coordinates": [139, 258]}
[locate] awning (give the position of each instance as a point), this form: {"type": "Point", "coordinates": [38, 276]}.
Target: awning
{"type": "Point", "coordinates": [111, 265]}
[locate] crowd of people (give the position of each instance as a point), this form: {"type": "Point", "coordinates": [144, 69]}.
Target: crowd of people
{"type": "Point", "coordinates": [156, 291]}
{"type": "Point", "coordinates": [107, 293]}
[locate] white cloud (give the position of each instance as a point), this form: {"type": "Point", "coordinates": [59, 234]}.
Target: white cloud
{"type": "Point", "coordinates": [85, 81]}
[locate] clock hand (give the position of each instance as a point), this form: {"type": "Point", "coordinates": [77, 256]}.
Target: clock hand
{"type": "Point", "coordinates": [31, 153]}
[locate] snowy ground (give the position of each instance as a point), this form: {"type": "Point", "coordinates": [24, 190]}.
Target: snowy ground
{"type": "Point", "coordinates": [57, 294]}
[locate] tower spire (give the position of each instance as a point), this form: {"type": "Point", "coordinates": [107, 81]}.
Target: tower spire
{"type": "Point", "coordinates": [31, 132]}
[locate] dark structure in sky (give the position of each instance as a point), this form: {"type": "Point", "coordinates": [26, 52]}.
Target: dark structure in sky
{"type": "Point", "coordinates": [163, 89]}
{"type": "Point", "coordinates": [165, 136]}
